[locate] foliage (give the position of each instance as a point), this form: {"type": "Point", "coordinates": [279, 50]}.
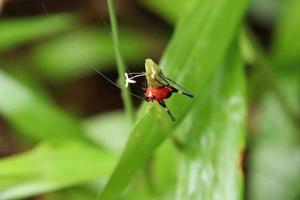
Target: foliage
{"type": "Point", "coordinates": [239, 87]}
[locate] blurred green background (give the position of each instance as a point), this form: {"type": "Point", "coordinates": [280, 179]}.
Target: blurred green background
{"type": "Point", "coordinates": [63, 129]}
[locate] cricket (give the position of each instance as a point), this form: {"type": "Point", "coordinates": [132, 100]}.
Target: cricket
{"type": "Point", "coordinates": [159, 87]}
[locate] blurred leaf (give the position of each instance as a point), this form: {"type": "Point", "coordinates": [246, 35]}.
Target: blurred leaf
{"type": "Point", "coordinates": [285, 59]}
{"type": "Point", "coordinates": [14, 32]}
{"type": "Point", "coordinates": [266, 76]}
{"type": "Point", "coordinates": [211, 166]}
{"type": "Point", "coordinates": [25, 77]}
{"type": "Point", "coordinates": [192, 57]}
{"type": "Point", "coordinates": [275, 160]}
{"type": "Point", "coordinates": [140, 188]}
{"type": "Point", "coordinates": [52, 166]}
{"type": "Point", "coordinates": [71, 55]}
{"type": "Point", "coordinates": [163, 169]}
{"type": "Point", "coordinates": [33, 116]}
{"type": "Point", "coordinates": [169, 11]}
{"type": "Point", "coordinates": [83, 192]}
{"type": "Point", "coordinates": [157, 180]}
{"type": "Point", "coordinates": [109, 129]}
{"type": "Point", "coordinates": [266, 12]}
{"type": "Point", "coordinates": [286, 48]}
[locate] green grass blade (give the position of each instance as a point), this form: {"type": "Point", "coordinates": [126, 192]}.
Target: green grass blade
{"type": "Point", "coordinates": [286, 47]}
{"type": "Point", "coordinates": [110, 130]}
{"type": "Point", "coordinates": [127, 100]}
{"type": "Point", "coordinates": [81, 192]}
{"type": "Point", "coordinates": [18, 31]}
{"type": "Point", "coordinates": [266, 72]}
{"type": "Point", "coordinates": [33, 116]}
{"type": "Point", "coordinates": [163, 171]}
{"type": "Point", "coordinates": [274, 158]}
{"type": "Point", "coordinates": [196, 50]}
{"type": "Point", "coordinates": [211, 163]}
{"type": "Point", "coordinates": [165, 9]}
{"type": "Point", "coordinates": [50, 167]}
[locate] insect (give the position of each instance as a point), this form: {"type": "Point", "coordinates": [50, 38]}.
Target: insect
{"type": "Point", "coordinates": [159, 87]}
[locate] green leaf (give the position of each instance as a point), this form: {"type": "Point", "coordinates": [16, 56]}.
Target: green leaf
{"type": "Point", "coordinates": [26, 78]}
{"type": "Point", "coordinates": [170, 11]}
{"type": "Point", "coordinates": [71, 55]}
{"type": "Point", "coordinates": [274, 159]}
{"type": "Point", "coordinates": [163, 171]}
{"type": "Point", "coordinates": [81, 192]}
{"type": "Point", "coordinates": [50, 167]}
{"type": "Point", "coordinates": [157, 180]}
{"type": "Point", "coordinates": [196, 50]}
{"type": "Point", "coordinates": [286, 48]}
{"type": "Point", "coordinates": [14, 32]}
{"type": "Point", "coordinates": [211, 164]}
{"type": "Point", "coordinates": [33, 116]}
{"type": "Point", "coordinates": [265, 12]}
{"type": "Point", "coordinates": [105, 129]}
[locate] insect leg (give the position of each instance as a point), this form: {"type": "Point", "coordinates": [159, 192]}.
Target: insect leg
{"type": "Point", "coordinates": [180, 89]}
{"type": "Point", "coordinates": [162, 103]}
{"type": "Point", "coordinates": [182, 92]}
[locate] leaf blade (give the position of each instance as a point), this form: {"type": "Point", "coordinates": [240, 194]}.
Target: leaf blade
{"type": "Point", "coordinates": [179, 64]}
{"type": "Point", "coordinates": [50, 167]}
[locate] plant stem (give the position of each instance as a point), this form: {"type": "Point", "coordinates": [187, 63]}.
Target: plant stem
{"type": "Point", "coordinates": [127, 101]}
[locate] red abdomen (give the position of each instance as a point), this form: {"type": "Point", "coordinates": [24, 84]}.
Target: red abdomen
{"type": "Point", "coordinates": [158, 94]}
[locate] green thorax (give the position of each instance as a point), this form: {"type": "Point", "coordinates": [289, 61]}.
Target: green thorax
{"type": "Point", "coordinates": [153, 74]}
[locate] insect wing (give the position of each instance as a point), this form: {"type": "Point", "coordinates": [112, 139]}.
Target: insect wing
{"type": "Point", "coordinates": [153, 74]}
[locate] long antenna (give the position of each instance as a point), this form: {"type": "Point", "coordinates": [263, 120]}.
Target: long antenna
{"type": "Point", "coordinates": [92, 66]}
{"type": "Point", "coordinates": [100, 73]}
